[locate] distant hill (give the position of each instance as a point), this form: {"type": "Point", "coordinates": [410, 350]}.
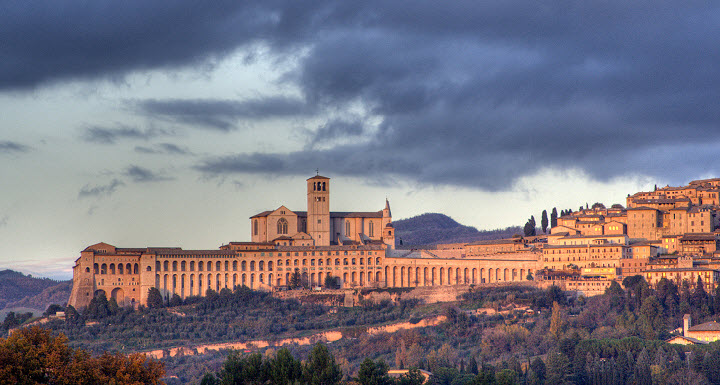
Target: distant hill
{"type": "Point", "coordinates": [433, 228]}
{"type": "Point", "coordinates": [16, 286]}
{"type": "Point", "coordinates": [58, 294]}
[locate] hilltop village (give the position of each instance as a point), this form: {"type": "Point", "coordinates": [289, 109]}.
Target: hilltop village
{"type": "Point", "coordinates": [670, 232]}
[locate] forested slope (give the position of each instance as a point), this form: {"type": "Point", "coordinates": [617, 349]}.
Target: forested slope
{"type": "Point", "coordinates": [432, 228]}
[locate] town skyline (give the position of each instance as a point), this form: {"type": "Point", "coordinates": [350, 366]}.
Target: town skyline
{"type": "Point", "coordinates": [149, 125]}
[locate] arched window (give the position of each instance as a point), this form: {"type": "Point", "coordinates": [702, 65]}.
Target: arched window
{"type": "Point", "coordinates": [347, 229]}
{"type": "Point", "coordinates": [255, 227]}
{"type": "Point", "coordinates": [371, 229]}
{"type": "Point", "coordinates": [323, 186]}
{"type": "Point", "coordinates": [282, 226]}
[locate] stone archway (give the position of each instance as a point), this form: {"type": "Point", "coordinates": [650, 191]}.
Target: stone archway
{"type": "Point", "coordinates": [119, 295]}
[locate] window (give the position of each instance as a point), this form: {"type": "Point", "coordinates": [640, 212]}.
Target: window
{"type": "Point", "coordinates": [371, 229]}
{"type": "Point", "coordinates": [282, 226]}
{"type": "Point", "coordinates": [347, 229]}
{"type": "Point", "coordinates": [255, 227]}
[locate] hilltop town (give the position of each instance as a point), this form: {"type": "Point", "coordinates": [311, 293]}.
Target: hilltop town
{"type": "Point", "coordinates": [670, 232]}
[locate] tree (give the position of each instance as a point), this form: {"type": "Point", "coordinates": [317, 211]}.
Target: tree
{"type": "Point", "coordinates": [372, 373]}
{"type": "Point", "coordinates": [616, 295]}
{"type": "Point", "coordinates": [641, 372]}
{"type": "Point", "coordinates": [285, 369]}
{"type": "Point", "coordinates": [553, 217]}
{"type": "Point", "coordinates": [556, 321]}
{"type": "Point", "coordinates": [175, 300]}
{"type": "Point", "coordinates": [558, 369]}
{"type": "Point", "coordinates": [699, 299]}
{"type": "Point", "coordinates": [113, 307]}
{"type": "Point", "coordinates": [473, 365]}
{"type": "Point", "coordinates": [652, 319]}
{"type": "Point", "coordinates": [321, 368]}
{"type": "Point", "coordinates": [52, 309]}
{"type": "Point", "coordinates": [331, 282]}
{"type": "Point", "coordinates": [98, 307]}
{"type": "Point", "coordinates": [10, 321]}
{"type": "Point", "coordinates": [295, 279]}
{"type": "Point", "coordinates": [71, 315]}
{"type": "Point", "coordinates": [412, 377]}
{"type": "Point", "coordinates": [538, 367]}
{"type": "Point", "coordinates": [544, 221]}
{"type": "Point", "coordinates": [507, 377]}
{"type": "Point", "coordinates": [155, 299]}
{"type": "Point", "coordinates": [687, 377]}
{"type": "Point", "coordinates": [35, 356]}
{"type": "Point", "coordinates": [529, 228]}
{"type": "Point", "coordinates": [209, 379]}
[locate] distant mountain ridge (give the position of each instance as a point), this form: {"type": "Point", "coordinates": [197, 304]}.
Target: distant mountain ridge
{"type": "Point", "coordinates": [429, 229]}
{"type": "Point", "coordinates": [16, 287]}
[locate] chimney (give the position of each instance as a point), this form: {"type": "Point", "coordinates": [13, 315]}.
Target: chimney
{"type": "Point", "coordinates": [687, 322]}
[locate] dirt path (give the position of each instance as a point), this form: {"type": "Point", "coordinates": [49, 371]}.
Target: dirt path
{"type": "Point", "coordinates": [327, 336]}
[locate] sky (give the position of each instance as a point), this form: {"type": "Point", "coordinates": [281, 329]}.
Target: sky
{"type": "Point", "coordinates": [143, 123]}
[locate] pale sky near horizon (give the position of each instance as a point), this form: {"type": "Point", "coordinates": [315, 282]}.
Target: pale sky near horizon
{"type": "Point", "coordinates": [152, 124]}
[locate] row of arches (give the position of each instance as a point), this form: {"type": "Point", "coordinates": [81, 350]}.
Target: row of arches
{"type": "Point", "coordinates": [410, 276]}
{"type": "Point", "coordinates": [186, 285]}
{"type": "Point", "coordinates": [218, 266]}
{"type": "Point", "coordinates": [119, 295]}
{"type": "Point", "coordinates": [166, 266]}
{"type": "Point", "coordinates": [112, 268]}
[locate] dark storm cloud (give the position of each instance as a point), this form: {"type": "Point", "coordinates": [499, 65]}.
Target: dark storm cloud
{"type": "Point", "coordinates": [10, 147]}
{"type": "Point", "coordinates": [337, 129]}
{"type": "Point", "coordinates": [222, 115]}
{"type": "Point", "coordinates": [89, 191]}
{"type": "Point", "coordinates": [141, 175]}
{"type": "Point", "coordinates": [164, 148]}
{"type": "Point", "coordinates": [468, 93]}
{"type": "Point", "coordinates": [105, 135]}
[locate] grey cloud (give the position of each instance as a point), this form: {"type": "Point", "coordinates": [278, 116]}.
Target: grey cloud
{"type": "Point", "coordinates": [164, 148]}
{"type": "Point", "coordinates": [10, 147]}
{"type": "Point", "coordinates": [141, 175]}
{"type": "Point", "coordinates": [105, 135]}
{"type": "Point", "coordinates": [89, 191]}
{"type": "Point", "coordinates": [337, 129]}
{"type": "Point", "coordinates": [476, 94]}
{"type": "Point", "coordinates": [222, 115]}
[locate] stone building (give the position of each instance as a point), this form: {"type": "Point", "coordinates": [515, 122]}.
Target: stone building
{"type": "Point", "coordinates": [356, 248]}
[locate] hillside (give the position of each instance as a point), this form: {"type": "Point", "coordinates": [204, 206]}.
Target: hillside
{"type": "Point", "coordinates": [433, 228]}
{"type": "Point", "coordinates": [57, 294]}
{"type": "Point", "coordinates": [15, 286]}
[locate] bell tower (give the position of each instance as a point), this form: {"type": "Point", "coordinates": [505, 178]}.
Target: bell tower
{"type": "Point", "coordinates": [318, 209]}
